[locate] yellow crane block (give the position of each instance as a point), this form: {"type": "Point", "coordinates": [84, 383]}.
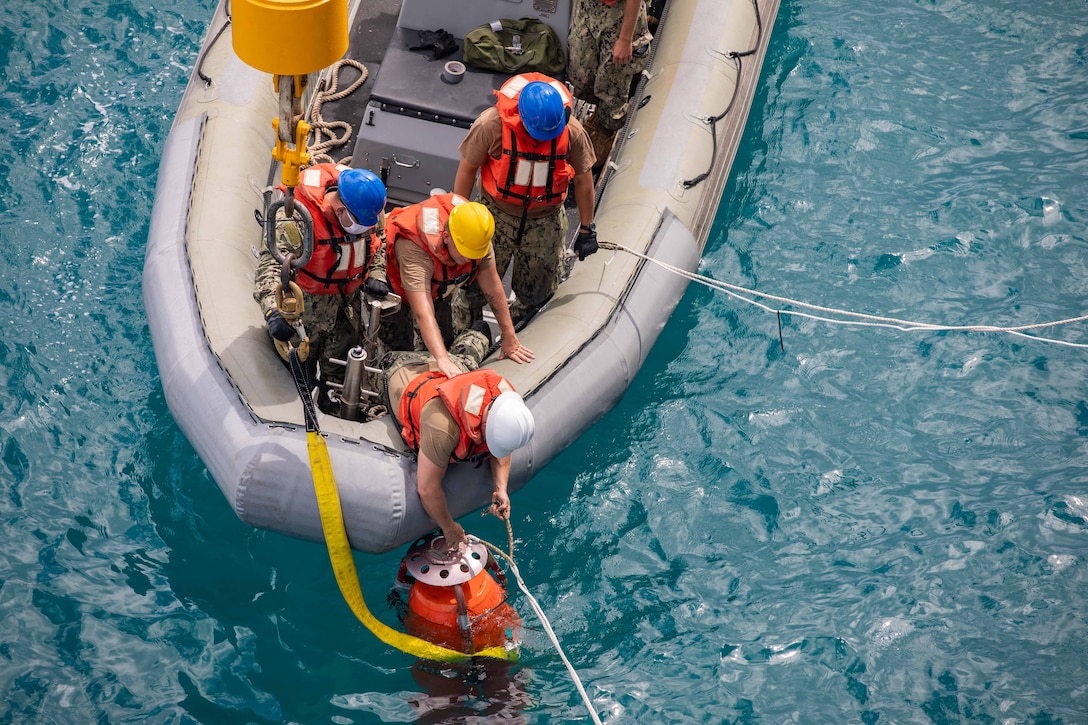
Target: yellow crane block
{"type": "Point", "coordinates": [290, 37]}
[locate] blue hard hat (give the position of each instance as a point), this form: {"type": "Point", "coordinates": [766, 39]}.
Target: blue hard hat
{"type": "Point", "coordinates": [363, 194]}
{"type": "Point", "coordinates": [542, 111]}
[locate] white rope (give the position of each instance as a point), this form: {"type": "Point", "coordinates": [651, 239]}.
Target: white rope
{"type": "Point", "coordinates": [547, 626]}
{"type": "Point", "coordinates": [861, 319]}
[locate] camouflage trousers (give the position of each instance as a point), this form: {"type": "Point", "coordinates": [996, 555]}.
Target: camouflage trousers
{"type": "Point", "coordinates": [332, 324]}
{"type": "Point", "coordinates": [537, 263]}
{"type": "Point", "coordinates": [467, 351]}
{"type": "Point", "coordinates": [595, 27]}
{"type": "Point", "coordinates": [399, 331]}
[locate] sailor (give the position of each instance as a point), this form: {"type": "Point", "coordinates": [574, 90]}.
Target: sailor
{"type": "Point", "coordinates": [528, 150]}
{"type": "Point", "coordinates": [346, 206]}
{"type": "Point", "coordinates": [609, 43]}
{"type": "Point", "coordinates": [432, 248]}
{"type": "Point", "coordinates": [473, 415]}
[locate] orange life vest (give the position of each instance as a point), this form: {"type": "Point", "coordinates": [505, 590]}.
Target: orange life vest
{"type": "Point", "coordinates": [466, 396]}
{"type": "Point", "coordinates": [339, 262]}
{"type": "Point", "coordinates": [534, 174]}
{"type": "Point", "coordinates": [423, 224]}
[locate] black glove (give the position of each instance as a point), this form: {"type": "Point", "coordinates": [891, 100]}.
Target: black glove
{"type": "Point", "coordinates": [439, 42]}
{"type": "Point", "coordinates": [278, 327]}
{"type": "Point", "coordinates": [377, 288]}
{"type": "Point", "coordinates": [585, 243]}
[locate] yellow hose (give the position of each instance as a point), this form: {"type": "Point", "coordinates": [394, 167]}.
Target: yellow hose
{"type": "Point", "coordinates": [343, 565]}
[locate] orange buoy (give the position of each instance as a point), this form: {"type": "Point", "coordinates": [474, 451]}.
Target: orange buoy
{"type": "Point", "coordinates": [455, 601]}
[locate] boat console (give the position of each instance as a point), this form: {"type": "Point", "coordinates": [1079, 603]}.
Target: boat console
{"type": "Point", "coordinates": [416, 118]}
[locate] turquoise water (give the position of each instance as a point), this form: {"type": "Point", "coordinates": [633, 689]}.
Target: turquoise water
{"type": "Point", "coordinates": [857, 525]}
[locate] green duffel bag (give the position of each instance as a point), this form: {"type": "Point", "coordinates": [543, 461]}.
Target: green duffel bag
{"type": "Point", "coordinates": [520, 46]}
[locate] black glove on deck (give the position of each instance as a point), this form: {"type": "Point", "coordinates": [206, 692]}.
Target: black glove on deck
{"type": "Point", "coordinates": [439, 42]}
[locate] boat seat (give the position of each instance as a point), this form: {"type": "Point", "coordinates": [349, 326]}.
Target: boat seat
{"type": "Point", "coordinates": [410, 83]}
{"type": "Point", "coordinates": [460, 16]}
{"type": "Point", "coordinates": [415, 120]}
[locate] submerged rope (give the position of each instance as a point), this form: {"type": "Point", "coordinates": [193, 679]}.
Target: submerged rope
{"type": "Point", "coordinates": [509, 559]}
{"type": "Point", "coordinates": [859, 319]}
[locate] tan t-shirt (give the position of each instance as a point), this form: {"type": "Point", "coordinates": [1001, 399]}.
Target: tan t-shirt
{"type": "Point", "coordinates": [438, 431]}
{"type": "Point", "coordinates": [484, 139]}
{"type": "Point", "coordinates": [417, 267]}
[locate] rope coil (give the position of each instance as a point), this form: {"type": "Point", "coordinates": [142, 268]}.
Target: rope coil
{"type": "Point", "coordinates": [324, 132]}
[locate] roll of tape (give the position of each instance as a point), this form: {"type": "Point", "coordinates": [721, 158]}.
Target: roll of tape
{"type": "Point", "coordinates": [453, 71]}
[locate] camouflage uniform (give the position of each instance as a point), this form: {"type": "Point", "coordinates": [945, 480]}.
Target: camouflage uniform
{"type": "Point", "coordinates": [595, 27]}
{"type": "Point", "coordinates": [400, 331]}
{"type": "Point", "coordinates": [467, 352]}
{"type": "Point", "coordinates": [537, 269]}
{"type": "Point", "coordinates": [332, 322]}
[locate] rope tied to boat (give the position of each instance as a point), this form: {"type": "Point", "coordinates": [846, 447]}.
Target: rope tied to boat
{"type": "Point", "coordinates": [736, 57]}
{"type": "Point", "coordinates": [861, 319]}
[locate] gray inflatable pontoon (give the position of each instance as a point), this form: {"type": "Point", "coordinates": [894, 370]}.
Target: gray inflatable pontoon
{"type": "Point", "coordinates": [224, 383]}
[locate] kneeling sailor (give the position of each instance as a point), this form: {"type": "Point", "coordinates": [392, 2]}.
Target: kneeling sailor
{"type": "Point", "coordinates": [473, 416]}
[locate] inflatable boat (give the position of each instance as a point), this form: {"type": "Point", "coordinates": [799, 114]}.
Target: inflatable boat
{"type": "Point", "coordinates": [656, 199]}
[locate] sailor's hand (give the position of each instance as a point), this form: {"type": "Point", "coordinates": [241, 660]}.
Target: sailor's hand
{"type": "Point", "coordinates": [377, 288]}
{"type": "Point", "coordinates": [278, 327]}
{"type": "Point", "coordinates": [514, 350]}
{"type": "Point", "coordinates": [585, 243]}
{"type": "Point", "coordinates": [456, 540]}
{"type": "Point", "coordinates": [447, 367]}
{"type": "Point", "coordinates": [500, 505]}
{"type": "Point", "coordinates": [622, 51]}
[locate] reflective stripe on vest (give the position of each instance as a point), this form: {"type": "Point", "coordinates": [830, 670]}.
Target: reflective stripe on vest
{"type": "Point", "coordinates": [423, 224]}
{"type": "Point", "coordinates": [533, 174]}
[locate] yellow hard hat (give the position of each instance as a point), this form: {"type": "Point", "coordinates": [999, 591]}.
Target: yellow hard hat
{"type": "Point", "coordinates": [472, 226]}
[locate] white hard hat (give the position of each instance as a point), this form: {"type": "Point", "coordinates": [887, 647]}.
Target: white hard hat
{"type": "Point", "coordinates": [509, 425]}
